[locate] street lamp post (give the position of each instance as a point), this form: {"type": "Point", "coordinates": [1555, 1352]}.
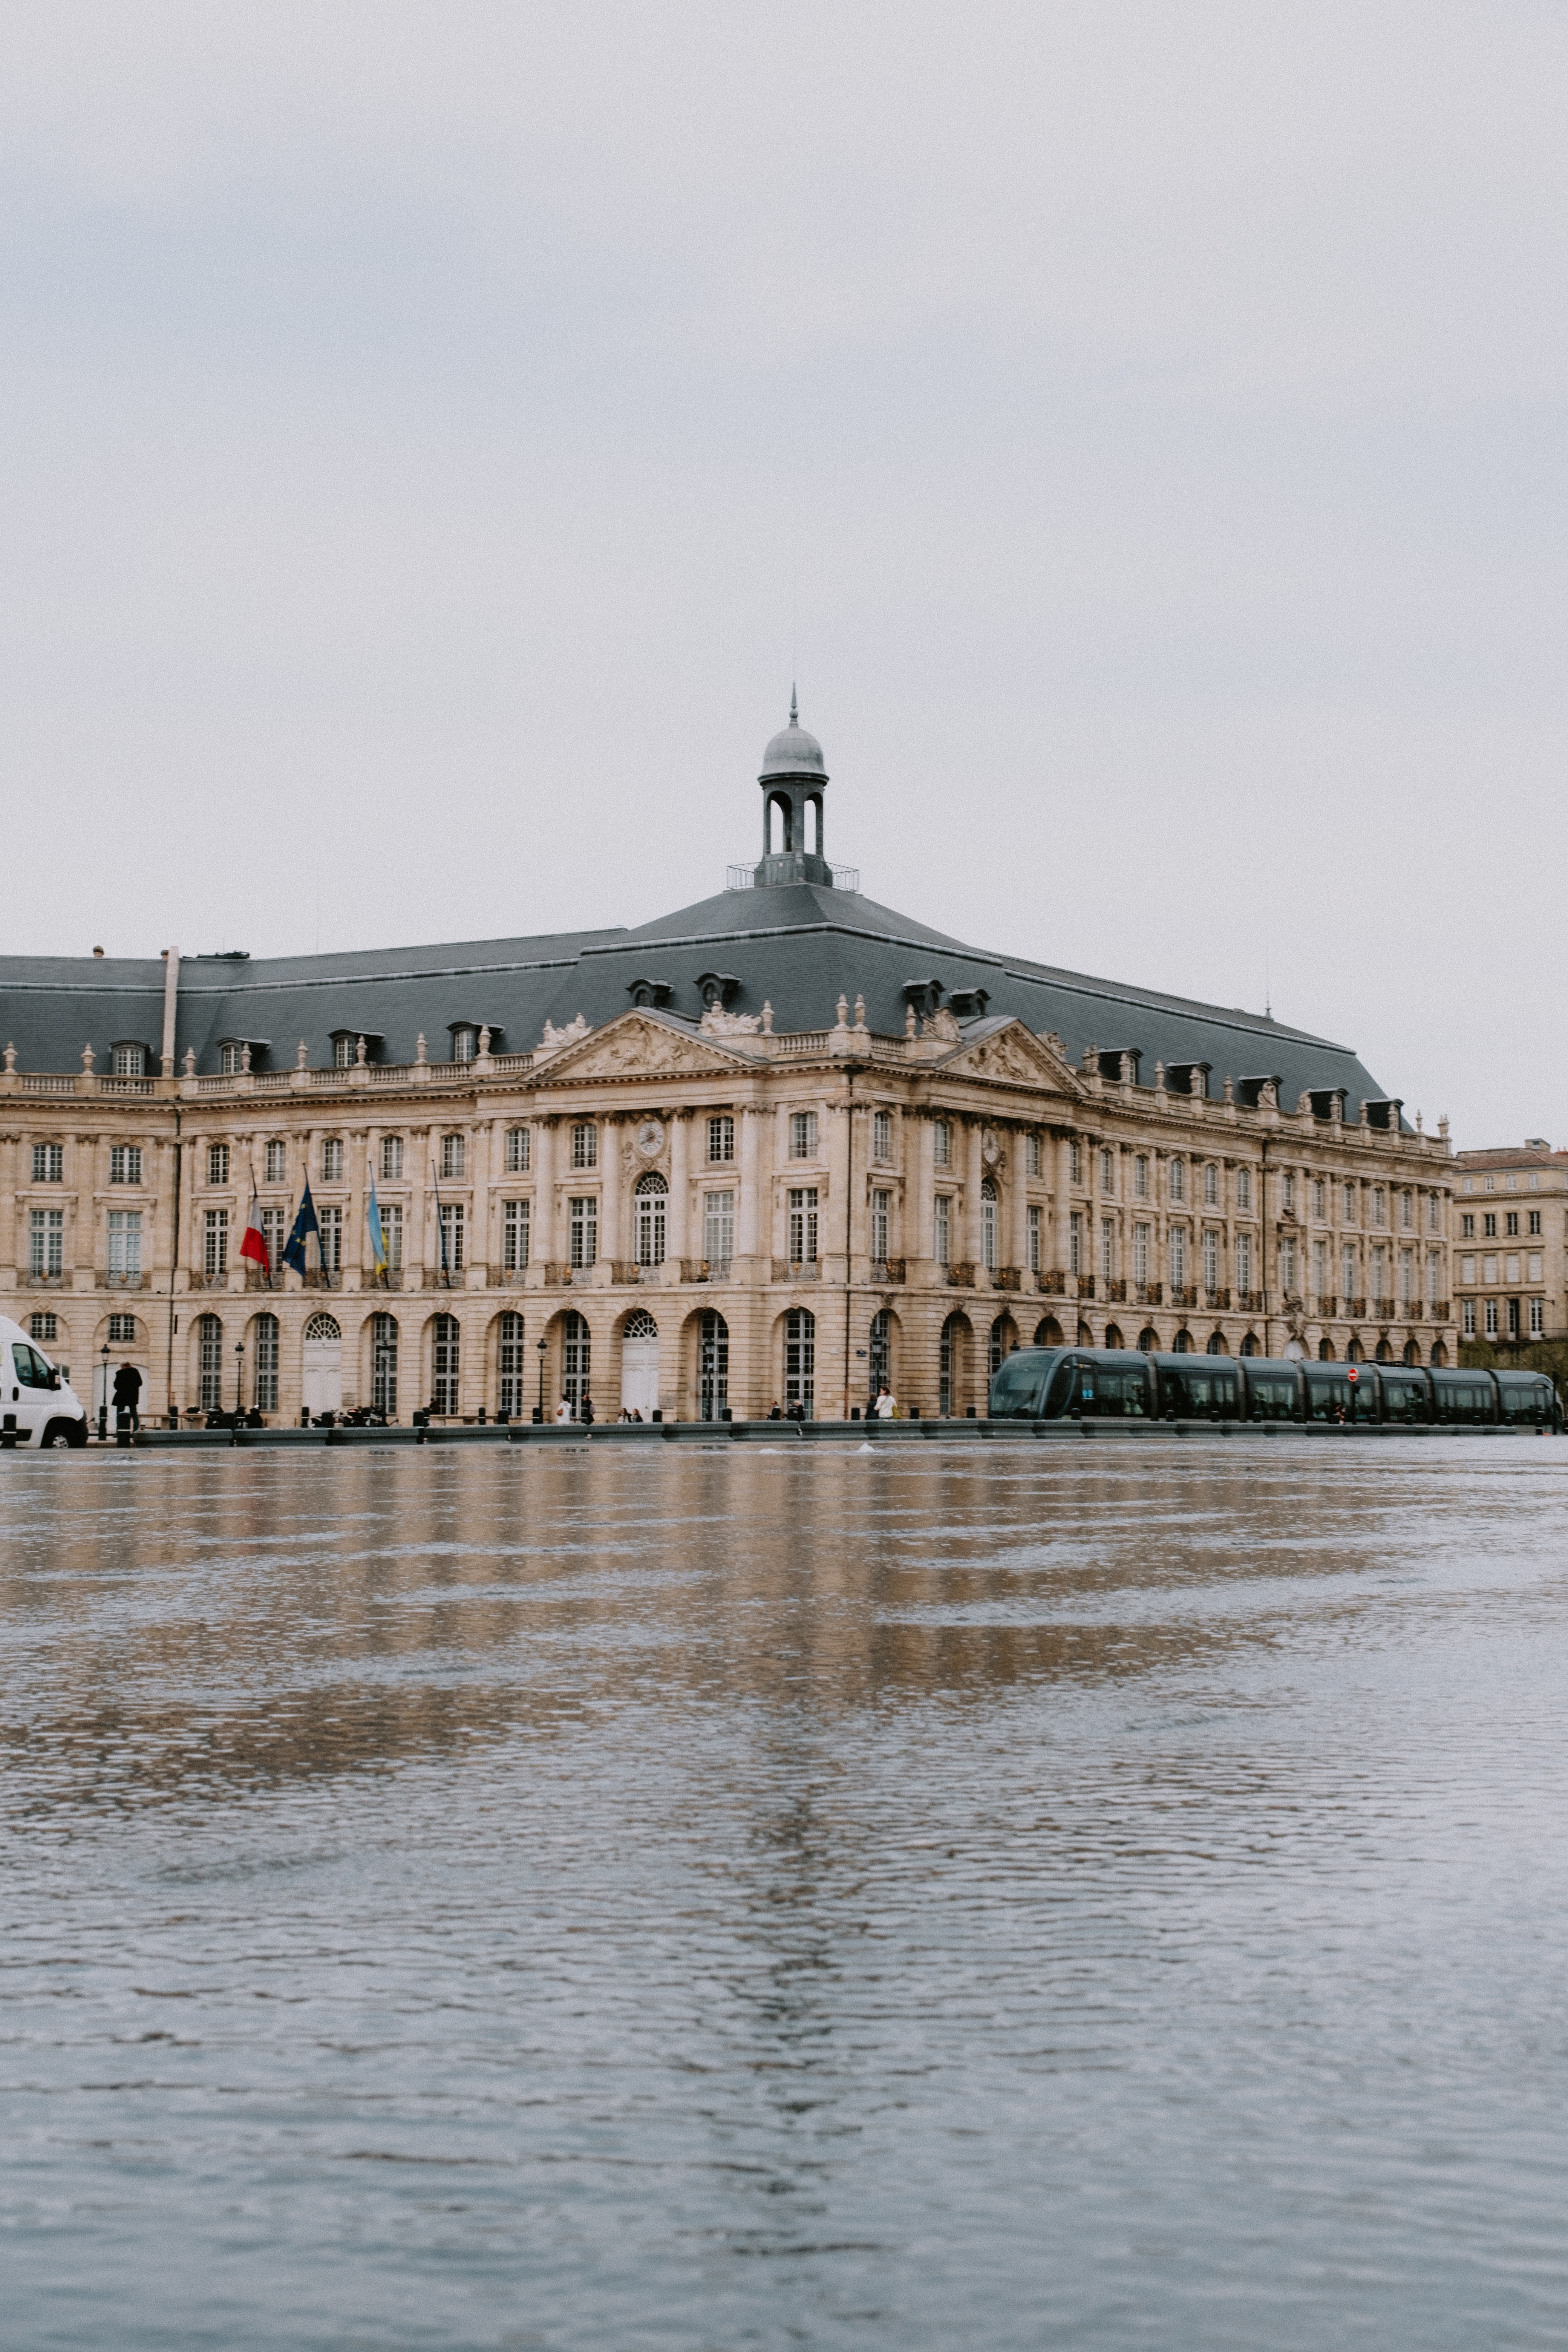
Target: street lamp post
{"type": "Point", "coordinates": [103, 1400]}
{"type": "Point", "coordinates": [539, 1408]}
{"type": "Point", "coordinates": [238, 1378]}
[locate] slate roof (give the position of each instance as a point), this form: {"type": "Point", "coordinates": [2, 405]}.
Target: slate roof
{"type": "Point", "coordinates": [797, 947]}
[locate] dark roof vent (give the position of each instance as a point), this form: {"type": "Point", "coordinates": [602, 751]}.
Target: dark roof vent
{"type": "Point", "coordinates": [1111, 1057]}
{"type": "Point", "coordinates": [1189, 1078]}
{"type": "Point", "coordinates": [969, 1004]}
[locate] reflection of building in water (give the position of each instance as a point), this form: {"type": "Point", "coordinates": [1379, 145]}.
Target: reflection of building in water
{"type": "Point", "coordinates": [771, 1148]}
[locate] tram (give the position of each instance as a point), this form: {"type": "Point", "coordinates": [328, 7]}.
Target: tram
{"type": "Point", "coordinates": [1120, 1384]}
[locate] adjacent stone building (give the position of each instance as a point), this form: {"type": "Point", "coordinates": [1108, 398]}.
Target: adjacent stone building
{"type": "Point", "coordinates": [1511, 1248]}
{"type": "Point", "coordinates": [773, 1148]}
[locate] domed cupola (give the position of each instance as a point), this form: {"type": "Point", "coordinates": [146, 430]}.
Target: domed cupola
{"type": "Point", "coordinates": [793, 780]}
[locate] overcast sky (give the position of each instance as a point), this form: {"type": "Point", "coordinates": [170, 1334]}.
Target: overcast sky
{"type": "Point", "coordinates": [434, 436]}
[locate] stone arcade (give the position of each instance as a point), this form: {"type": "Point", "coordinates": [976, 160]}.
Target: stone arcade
{"type": "Point", "coordinates": [772, 1148]}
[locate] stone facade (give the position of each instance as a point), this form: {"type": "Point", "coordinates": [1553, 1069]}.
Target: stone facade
{"type": "Point", "coordinates": [975, 1192]}
{"type": "Point", "coordinates": [1510, 1244]}
{"type": "Point", "coordinates": [692, 1196]}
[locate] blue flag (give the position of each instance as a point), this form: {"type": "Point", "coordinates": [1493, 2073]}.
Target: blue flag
{"type": "Point", "coordinates": [377, 1237]}
{"type": "Point", "coordinates": [305, 1225]}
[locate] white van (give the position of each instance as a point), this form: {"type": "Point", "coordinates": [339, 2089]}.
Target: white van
{"type": "Point", "coordinates": [35, 1402]}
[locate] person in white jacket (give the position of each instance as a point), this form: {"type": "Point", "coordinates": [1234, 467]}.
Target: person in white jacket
{"type": "Point", "coordinates": [887, 1403]}
{"type": "Point", "coordinates": [564, 1410]}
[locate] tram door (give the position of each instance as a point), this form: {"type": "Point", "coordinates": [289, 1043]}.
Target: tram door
{"type": "Point", "coordinates": [640, 1365]}
{"type": "Point", "coordinates": [323, 1389]}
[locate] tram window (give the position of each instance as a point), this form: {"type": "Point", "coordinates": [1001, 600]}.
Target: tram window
{"type": "Point", "coordinates": [1017, 1387]}
{"type": "Point", "coordinates": [1112, 1395]}
{"type": "Point", "coordinates": [1273, 1395]}
{"type": "Point", "coordinates": [1462, 1398]}
{"type": "Point", "coordinates": [1521, 1400]}
{"type": "Point", "coordinates": [1403, 1399]}
{"type": "Point", "coordinates": [1202, 1393]}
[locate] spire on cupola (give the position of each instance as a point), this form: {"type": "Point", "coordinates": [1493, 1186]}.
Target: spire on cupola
{"type": "Point", "coordinates": [793, 780]}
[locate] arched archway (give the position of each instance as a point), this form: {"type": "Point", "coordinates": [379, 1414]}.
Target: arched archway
{"type": "Point", "coordinates": [1216, 1346]}
{"type": "Point", "coordinates": [1439, 1354]}
{"type": "Point", "coordinates": [446, 1365]}
{"type": "Point", "coordinates": [953, 1367]}
{"type": "Point", "coordinates": [1295, 1353]}
{"type": "Point", "coordinates": [1384, 1352]}
{"type": "Point", "coordinates": [1003, 1339]}
{"type": "Point", "coordinates": [1182, 1344]}
{"type": "Point", "coordinates": [879, 1353]}
{"type": "Point", "coordinates": [208, 1337]}
{"type": "Point", "coordinates": [1352, 1350]}
{"type": "Point", "coordinates": [1249, 1344]}
{"type": "Point", "coordinates": [383, 1351]}
{"type": "Point", "coordinates": [713, 1365]}
{"type": "Point", "coordinates": [264, 1352]}
{"type": "Point", "coordinates": [1326, 1352]}
{"type": "Point", "coordinates": [650, 1204]}
{"type": "Point", "coordinates": [1113, 1336]}
{"type": "Point", "coordinates": [576, 1360]}
{"type": "Point", "coordinates": [1149, 1341]}
{"type": "Point", "coordinates": [1412, 1352]}
{"type": "Point", "coordinates": [1048, 1333]}
{"type": "Point", "coordinates": [639, 1362]}
{"type": "Point", "coordinates": [321, 1384]}
{"type": "Point", "coordinates": [1085, 1335]}
{"type": "Point", "coordinates": [800, 1362]}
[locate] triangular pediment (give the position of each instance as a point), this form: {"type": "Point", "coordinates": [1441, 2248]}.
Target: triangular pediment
{"type": "Point", "coordinates": [1010, 1054]}
{"type": "Point", "coordinates": [638, 1044]}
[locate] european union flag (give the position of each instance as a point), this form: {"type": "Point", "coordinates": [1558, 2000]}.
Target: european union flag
{"type": "Point", "coordinates": [305, 1225]}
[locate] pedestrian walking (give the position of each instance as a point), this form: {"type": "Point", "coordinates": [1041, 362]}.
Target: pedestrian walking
{"type": "Point", "coordinates": [127, 1394]}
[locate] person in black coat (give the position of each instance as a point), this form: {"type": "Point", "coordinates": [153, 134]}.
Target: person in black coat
{"type": "Point", "coordinates": [127, 1392]}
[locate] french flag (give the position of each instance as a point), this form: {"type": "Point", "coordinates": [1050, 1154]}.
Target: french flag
{"type": "Point", "coordinates": [254, 1244]}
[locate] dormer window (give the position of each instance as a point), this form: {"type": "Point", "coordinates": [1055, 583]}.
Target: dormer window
{"type": "Point", "coordinates": [969, 1004]}
{"type": "Point", "coordinates": [465, 1042]}
{"type": "Point", "coordinates": [650, 992]}
{"type": "Point", "coordinates": [343, 1050]}
{"type": "Point", "coordinates": [230, 1058]}
{"type": "Point", "coordinates": [128, 1061]}
{"type": "Point", "coordinates": [717, 989]}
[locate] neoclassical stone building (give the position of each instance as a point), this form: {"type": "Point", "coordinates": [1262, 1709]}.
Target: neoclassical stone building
{"type": "Point", "coordinates": [772, 1148]}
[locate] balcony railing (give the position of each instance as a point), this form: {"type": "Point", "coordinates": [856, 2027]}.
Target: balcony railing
{"type": "Point", "coordinates": [1115, 1292]}
{"type": "Point", "coordinates": [1006, 1278]}
{"type": "Point", "coordinates": [1054, 1283]}
{"type": "Point", "coordinates": [1184, 1294]}
{"type": "Point", "coordinates": [1149, 1294]}
{"type": "Point", "coordinates": [1355, 1308]}
{"type": "Point", "coordinates": [886, 1269]}
{"type": "Point", "coordinates": [960, 1273]}
{"type": "Point", "coordinates": [1216, 1301]}
{"type": "Point", "coordinates": [1327, 1306]}
{"type": "Point", "coordinates": [1086, 1286]}
{"type": "Point", "coordinates": [795, 1269]}
{"type": "Point", "coordinates": [1385, 1310]}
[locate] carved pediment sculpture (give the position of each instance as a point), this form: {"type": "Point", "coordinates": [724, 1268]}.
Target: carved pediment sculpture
{"type": "Point", "coordinates": [637, 1046]}
{"type": "Point", "coordinates": [553, 1038]}
{"type": "Point", "coordinates": [1013, 1053]}
{"type": "Point", "coordinates": [717, 1023]}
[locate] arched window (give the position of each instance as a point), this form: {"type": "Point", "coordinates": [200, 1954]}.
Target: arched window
{"type": "Point", "coordinates": [652, 1200]}
{"type": "Point", "coordinates": [1182, 1344]}
{"type": "Point", "coordinates": [1113, 1336]}
{"type": "Point", "coordinates": [323, 1327]}
{"type": "Point", "coordinates": [446, 1365]}
{"type": "Point", "coordinates": [1048, 1334]}
{"type": "Point", "coordinates": [1412, 1352]}
{"type": "Point", "coordinates": [988, 1225]}
{"type": "Point", "coordinates": [383, 1363]}
{"type": "Point", "coordinates": [713, 1366]}
{"type": "Point", "coordinates": [1384, 1352]}
{"type": "Point", "coordinates": [881, 1351]}
{"type": "Point", "coordinates": [1249, 1345]}
{"type": "Point", "coordinates": [209, 1333]}
{"type": "Point", "coordinates": [1003, 1339]}
{"type": "Point", "coordinates": [575, 1362]}
{"type": "Point", "coordinates": [951, 1365]}
{"type": "Point", "coordinates": [800, 1361]}
{"type": "Point", "coordinates": [266, 1363]}
{"type": "Point", "coordinates": [512, 1367]}
{"type": "Point", "coordinates": [1216, 1343]}
{"type": "Point", "coordinates": [1149, 1341]}
{"type": "Point", "coordinates": [1326, 1351]}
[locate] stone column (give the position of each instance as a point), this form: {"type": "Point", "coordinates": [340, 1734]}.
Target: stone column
{"type": "Point", "coordinates": [973, 1177]}
{"type": "Point", "coordinates": [749, 1216]}
{"type": "Point", "coordinates": [676, 1244]}
{"type": "Point", "coordinates": [1061, 1224]}
{"type": "Point", "coordinates": [613, 1241]}
{"type": "Point", "coordinates": [919, 1234]}
{"type": "Point", "coordinates": [542, 1249]}
{"type": "Point", "coordinates": [1017, 1160]}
